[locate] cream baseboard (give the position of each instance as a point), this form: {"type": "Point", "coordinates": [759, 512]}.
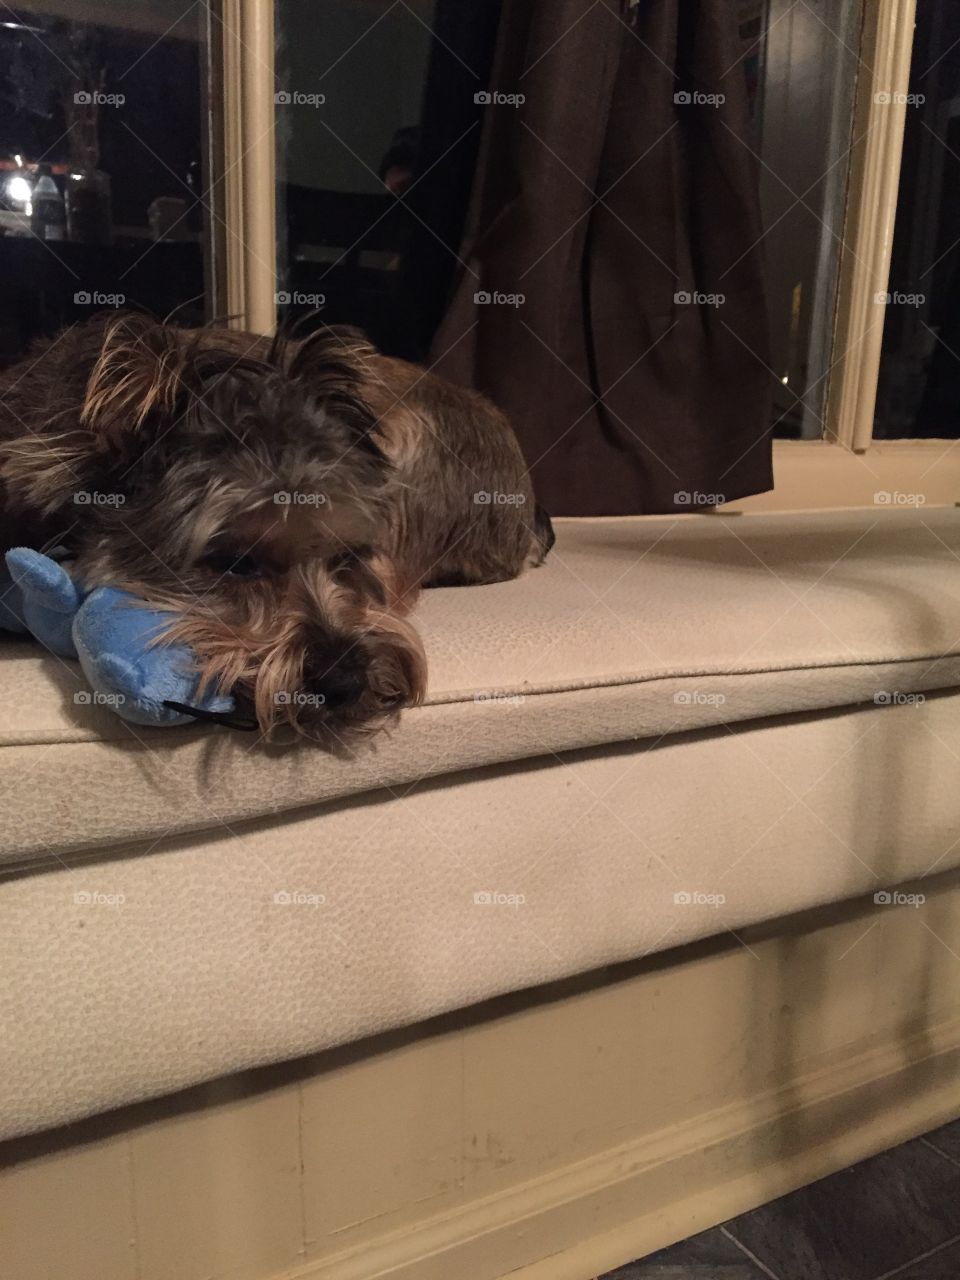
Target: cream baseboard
{"type": "Point", "coordinates": [636, 1198]}
{"type": "Point", "coordinates": [552, 1135]}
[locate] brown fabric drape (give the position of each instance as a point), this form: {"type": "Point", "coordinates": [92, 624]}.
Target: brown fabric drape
{"type": "Point", "coordinates": [600, 199]}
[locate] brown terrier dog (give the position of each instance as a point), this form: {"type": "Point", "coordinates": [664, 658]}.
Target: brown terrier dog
{"type": "Point", "coordinates": [285, 500]}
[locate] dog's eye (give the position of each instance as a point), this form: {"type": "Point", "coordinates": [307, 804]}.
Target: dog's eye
{"type": "Point", "coordinates": [352, 569]}
{"type": "Point", "coordinates": [351, 558]}
{"type": "Point", "coordinates": [342, 562]}
{"type": "Point", "coordinates": [233, 563]}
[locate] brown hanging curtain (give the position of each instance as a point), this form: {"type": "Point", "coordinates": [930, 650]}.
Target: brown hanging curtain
{"type": "Point", "coordinates": [624, 181]}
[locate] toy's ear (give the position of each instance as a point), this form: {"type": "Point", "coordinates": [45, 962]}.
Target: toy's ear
{"type": "Point", "coordinates": [43, 581]}
{"type": "Point", "coordinates": [138, 373]}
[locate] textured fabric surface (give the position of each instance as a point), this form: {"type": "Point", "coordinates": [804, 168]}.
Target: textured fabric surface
{"type": "Point", "coordinates": [634, 628]}
{"type": "Point", "coordinates": [607, 172]}
{"type": "Point", "coordinates": [137, 972]}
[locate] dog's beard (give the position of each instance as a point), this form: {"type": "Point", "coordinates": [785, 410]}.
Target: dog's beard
{"type": "Point", "coordinates": [305, 651]}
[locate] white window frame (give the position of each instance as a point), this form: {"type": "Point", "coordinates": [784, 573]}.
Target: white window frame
{"type": "Point", "coordinates": [847, 467]}
{"type": "Point", "coordinates": [249, 244]}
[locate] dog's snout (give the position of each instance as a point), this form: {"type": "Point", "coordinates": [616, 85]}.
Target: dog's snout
{"type": "Point", "coordinates": [340, 680]}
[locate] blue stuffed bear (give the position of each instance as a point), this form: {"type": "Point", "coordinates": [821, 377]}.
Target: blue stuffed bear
{"type": "Point", "coordinates": [110, 634]}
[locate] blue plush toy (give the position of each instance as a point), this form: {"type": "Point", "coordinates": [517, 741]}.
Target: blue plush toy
{"type": "Point", "coordinates": [111, 635]}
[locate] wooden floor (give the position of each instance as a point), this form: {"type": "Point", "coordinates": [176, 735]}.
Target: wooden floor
{"type": "Point", "coordinates": [895, 1215]}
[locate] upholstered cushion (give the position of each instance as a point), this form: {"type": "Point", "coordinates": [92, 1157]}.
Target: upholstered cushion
{"type": "Point", "coordinates": [511, 832]}
{"type": "Point", "coordinates": [634, 628]}
{"type": "Point", "coordinates": [154, 967]}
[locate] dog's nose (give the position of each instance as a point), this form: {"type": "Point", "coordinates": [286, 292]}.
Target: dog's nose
{"type": "Point", "coordinates": [340, 680]}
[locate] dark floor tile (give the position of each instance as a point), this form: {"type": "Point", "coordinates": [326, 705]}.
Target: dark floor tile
{"type": "Point", "coordinates": [947, 1140]}
{"type": "Point", "coordinates": [708, 1256]}
{"type": "Point", "coordinates": [944, 1265]}
{"type": "Point", "coordinates": [861, 1223]}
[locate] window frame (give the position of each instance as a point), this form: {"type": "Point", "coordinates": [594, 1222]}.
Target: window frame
{"type": "Point", "coordinates": [845, 468]}
{"type": "Point", "coordinates": [248, 243]}
{"type": "Point", "coordinates": [848, 467]}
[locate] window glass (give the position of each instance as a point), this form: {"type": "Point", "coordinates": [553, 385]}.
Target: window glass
{"type": "Point", "coordinates": [103, 164]}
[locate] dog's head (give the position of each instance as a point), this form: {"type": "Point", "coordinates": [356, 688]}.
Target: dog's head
{"type": "Point", "coordinates": [239, 483]}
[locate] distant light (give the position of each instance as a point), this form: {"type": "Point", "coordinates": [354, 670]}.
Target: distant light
{"type": "Point", "coordinates": [19, 190]}
{"type": "Point", "coordinates": [785, 379]}
{"type": "Point", "coordinates": [19, 26]}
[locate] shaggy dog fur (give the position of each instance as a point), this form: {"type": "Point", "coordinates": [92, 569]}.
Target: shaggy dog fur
{"type": "Point", "coordinates": [285, 500]}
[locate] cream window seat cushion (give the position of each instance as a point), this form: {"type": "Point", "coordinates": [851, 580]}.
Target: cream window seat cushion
{"type": "Point", "coordinates": [695, 724]}
{"type": "Point", "coordinates": [633, 629]}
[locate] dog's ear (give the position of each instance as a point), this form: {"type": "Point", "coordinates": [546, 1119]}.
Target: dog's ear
{"type": "Point", "coordinates": [139, 373]}
{"type": "Point", "coordinates": [336, 363]}
{"type": "Point", "coordinates": [334, 359]}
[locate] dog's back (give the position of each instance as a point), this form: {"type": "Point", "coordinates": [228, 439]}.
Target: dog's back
{"type": "Point", "coordinates": [282, 500]}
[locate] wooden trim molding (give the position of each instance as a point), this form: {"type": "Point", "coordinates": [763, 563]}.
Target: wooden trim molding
{"type": "Point", "coordinates": [544, 1136]}
{"type": "Point", "coordinates": [879, 120]}
{"type": "Point", "coordinates": [250, 246]}
{"type": "Point", "coordinates": [811, 474]}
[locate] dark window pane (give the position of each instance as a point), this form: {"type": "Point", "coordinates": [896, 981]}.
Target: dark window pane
{"type": "Point", "coordinates": [378, 134]}
{"type": "Point", "coordinates": [378, 130]}
{"type": "Point", "coordinates": [806, 71]}
{"type": "Point", "coordinates": [102, 163]}
{"type": "Point", "coordinates": [919, 388]}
